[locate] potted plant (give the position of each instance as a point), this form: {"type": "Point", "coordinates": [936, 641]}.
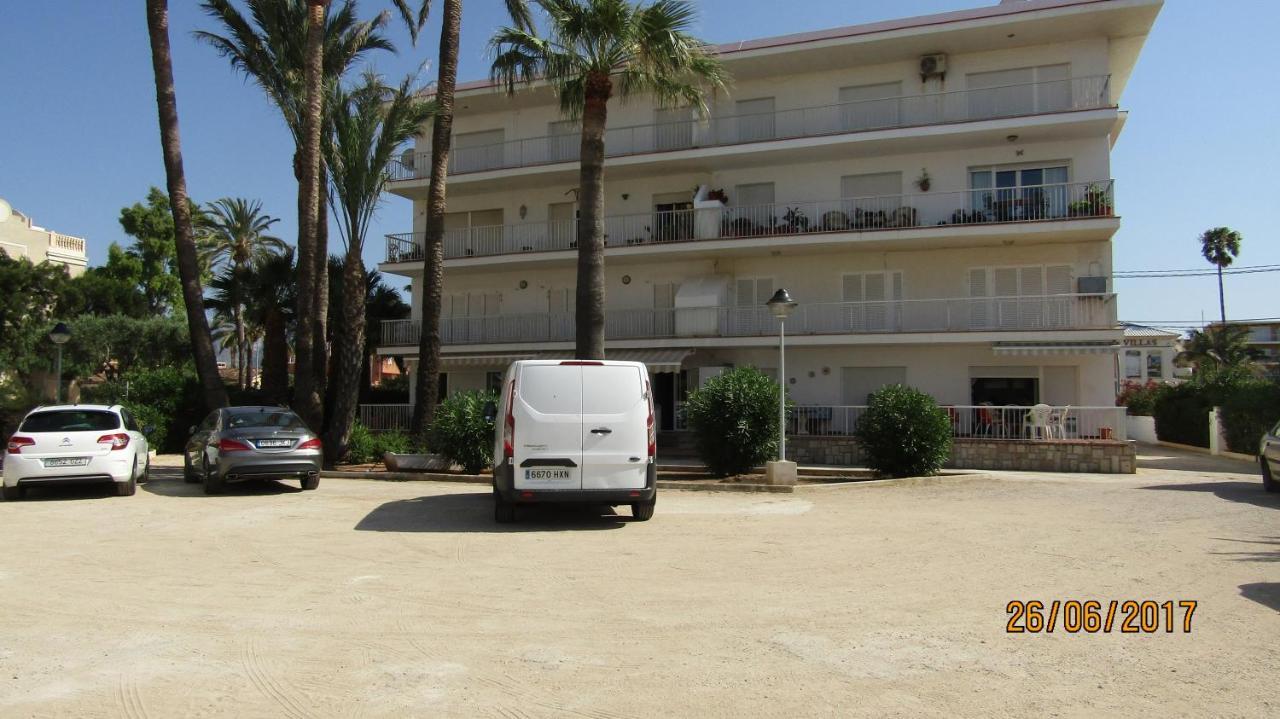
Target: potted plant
{"type": "Point", "coordinates": [718, 195]}
{"type": "Point", "coordinates": [924, 182]}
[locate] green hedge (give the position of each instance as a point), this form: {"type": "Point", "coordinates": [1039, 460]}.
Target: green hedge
{"type": "Point", "coordinates": [734, 419]}
{"type": "Point", "coordinates": [1248, 413]}
{"type": "Point", "coordinates": [461, 432]}
{"type": "Point", "coordinates": [1250, 407]}
{"type": "Point", "coordinates": [365, 447]}
{"type": "Point", "coordinates": [1182, 414]}
{"type": "Point", "coordinates": [168, 399]}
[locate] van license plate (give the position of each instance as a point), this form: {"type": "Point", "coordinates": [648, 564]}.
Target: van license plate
{"type": "Point", "coordinates": [546, 474]}
{"type": "Point", "coordinates": [66, 462]}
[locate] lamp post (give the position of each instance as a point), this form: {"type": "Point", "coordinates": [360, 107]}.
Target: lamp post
{"type": "Point", "coordinates": [59, 336]}
{"type": "Point", "coordinates": [781, 306]}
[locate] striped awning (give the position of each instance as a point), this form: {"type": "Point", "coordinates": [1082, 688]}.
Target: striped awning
{"type": "Point", "coordinates": [656, 359]}
{"type": "Point", "coordinates": [1040, 349]}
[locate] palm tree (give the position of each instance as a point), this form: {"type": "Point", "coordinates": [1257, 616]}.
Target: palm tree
{"type": "Point", "coordinates": [381, 302]}
{"type": "Point", "coordinates": [269, 301]}
{"type": "Point", "coordinates": [234, 237]}
{"type": "Point", "coordinates": [273, 46]}
{"type": "Point", "coordinates": [1220, 246]}
{"type": "Point", "coordinates": [1218, 347]}
{"type": "Point", "coordinates": [370, 122]}
{"type": "Point", "coordinates": [427, 394]}
{"type": "Point", "coordinates": [215, 394]}
{"type": "Point", "coordinates": [594, 49]}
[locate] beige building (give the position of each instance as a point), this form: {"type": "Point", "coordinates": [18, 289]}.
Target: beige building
{"type": "Point", "coordinates": [20, 237]}
{"type": "Point", "coordinates": [936, 193]}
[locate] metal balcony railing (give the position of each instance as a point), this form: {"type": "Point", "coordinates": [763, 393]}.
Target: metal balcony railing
{"type": "Point", "coordinates": [1075, 200]}
{"type": "Point", "coordinates": [980, 314]}
{"type": "Point", "coordinates": [1007, 422]}
{"type": "Point", "coordinates": [990, 103]}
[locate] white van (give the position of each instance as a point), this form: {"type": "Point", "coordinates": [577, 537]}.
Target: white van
{"type": "Point", "coordinates": [575, 431]}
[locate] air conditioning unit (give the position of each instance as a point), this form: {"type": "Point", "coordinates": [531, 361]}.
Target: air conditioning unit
{"type": "Point", "coordinates": [1091, 285]}
{"type": "Point", "coordinates": [934, 65]}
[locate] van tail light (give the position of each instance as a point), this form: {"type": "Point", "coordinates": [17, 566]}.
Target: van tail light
{"type": "Point", "coordinates": [16, 444]}
{"type": "Point", "coordinates": [233, 445]}
{"type": "Point", "coordinates": [509, 424]}
{"type": "Point", "coordinates": [313, 443]}
{"type": "Point", "coordinates": [119, 440]}
{"type": "Point", "coordinates": [652, 428]}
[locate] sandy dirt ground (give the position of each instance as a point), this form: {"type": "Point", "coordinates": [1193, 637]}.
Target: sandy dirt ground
{"type": "Point", "coordinates": [405, 599]}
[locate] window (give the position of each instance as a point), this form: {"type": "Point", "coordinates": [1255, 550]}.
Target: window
{"type": "Point", "coordinates": [70, 420]}
{"type": "Point", "coordinates": [551, 389]}
{"type": "Point", "coordinates": [878, 298]}
{"type": "Point", "coordinates": [1133, 364]}
{"type": "Point", "coordinates": [1155, 365]}
{"type": "Point", "coordinates": [272, 419]}
{"type": "Point", "coordinates": [1021, 91]}
{"type": "Point", "coordinates": [611, 389]}
{"type": "Point", "coordinates": [664, 302]}
{"type": "Point", "coordinates": [475, 232]}
{"type": "Point", "coordinates": [873, 201]}
{"type": "Point", "coordinates": [474, 151]}
{"type": "Point", "coordinates": [753, 211]}
{"type": "Point", "coordinates": [1006, 194]}
{"type": "Point", "coordinates": [749, 314]}
{"type": "Point", "coordinates": [673, 129]}
{"type": "Point", "coordinates": [755, 119]}
{"type": "Point", "coordinates": [859, 383]}
{"type": "Point", "coordinates": [564, 140]}
{"type": "Point", "coordinates": [129, 422]}
{"type": "Point", "coordinates": [864, 107]}
{"type": "Point", "coordinates": [562, 226]}
{"type": "Point", "coordinates": [493, 381]}
{"type": "Point", "coordinates": [672, 217]}
{"type": "Point", "coordinates": [1029, 297]}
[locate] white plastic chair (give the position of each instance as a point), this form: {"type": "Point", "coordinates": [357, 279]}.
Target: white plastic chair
{"type": "Point", "coordinates": [1058, 422]}
{"type": "Point", "coordinates": [1036, 425]}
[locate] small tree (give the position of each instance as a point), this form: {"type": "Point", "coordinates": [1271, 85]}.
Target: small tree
{"type": "Point", "coordinates": [904, 433]}
{"type": "Point", "coordinates": [461, 432]}
{"type": "Point", "coordinates": [734, 418]}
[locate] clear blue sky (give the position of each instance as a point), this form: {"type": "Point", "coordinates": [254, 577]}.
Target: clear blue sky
{"type": "Point", "coordinates": [78, 136]}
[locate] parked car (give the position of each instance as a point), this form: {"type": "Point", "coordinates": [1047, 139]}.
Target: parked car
{"type": "Point", "coordinates": [1269, 459]}
{"type": "Point", "coordinates": [234, 444]}
{"type": "Point", "coordinates": [76, 444]}
{"type": "Point", "coordinates": [575, 431]}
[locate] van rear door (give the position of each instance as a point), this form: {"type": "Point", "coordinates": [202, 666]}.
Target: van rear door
{"type": "Point", "coordinates": [615, 436]}
{"type": "Point", "coordinates": [547, 409]}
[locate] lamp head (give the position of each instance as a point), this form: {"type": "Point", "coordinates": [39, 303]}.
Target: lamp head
{"type": "Point", "coordinates": [781, 303]}
{"type": "Point", "coordinates": [60, 334]}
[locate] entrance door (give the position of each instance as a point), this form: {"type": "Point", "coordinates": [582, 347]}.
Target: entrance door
{"type": "Point", "coordinates": [664, 390]}
{"type": "Point", "coordinates": [562, 225]}
{"type": "Point", "coordinates": [999, 391]}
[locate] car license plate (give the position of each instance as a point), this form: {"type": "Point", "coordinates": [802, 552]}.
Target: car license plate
{"type": "Point", "coordinates": [275, 443]}
{"type": "Point", "coordinates": [66, 462]}
{"type": "Point", "coordinates": [546, 474]}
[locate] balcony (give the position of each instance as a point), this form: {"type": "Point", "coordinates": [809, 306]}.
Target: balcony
{"type": "Point", "coordinates": [983, 314]}
{"type": "Point", "coordinates": [993, 103]}
{"type": "Point", "coordinates": [1079, 200]}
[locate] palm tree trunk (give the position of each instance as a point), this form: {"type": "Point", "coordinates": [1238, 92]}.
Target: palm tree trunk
{"type": "Point", "coordinates": [215, 394]}
{"type": "Point", "coordinates": [320, 350]}
{"type": "Point", "coordinates": [240, 336]}
{"type": "Point", "coordinates": [345, 389]}
{"type": "Point", "coordinates": [590, 296]}
{"type": "Point", "coordinates": [307, 400]}
{"type": "Point", "coordinates": [275, 357]}
{"type": "Point", "coordinates": [427, 394]}
{"type": "Point", "coordinates": [1222, 297]}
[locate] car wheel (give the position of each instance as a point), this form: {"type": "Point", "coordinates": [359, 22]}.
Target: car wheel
{"type": "Point", "coordinates": [311, 482]}
{"type": "Point", "coordinates": [188, 472]}
{"type": "Point", "coordinates": [1269, 483]}
{"type": "Point", "coordinates": [213, 484]}
{"type": "Point", "coordinates": [127, 489]}
{"type": "Point", "coordinates": [643, 511]}
{"type": "Point", "coordinates": [146, 472]}
{"type": "Point", "coordinates": [13, 494]}
{"type": "Point", "coordinates": [503, 512]}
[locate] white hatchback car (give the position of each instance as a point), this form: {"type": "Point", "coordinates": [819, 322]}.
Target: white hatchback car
{"type": "Point", "coordinates": [72, 444]}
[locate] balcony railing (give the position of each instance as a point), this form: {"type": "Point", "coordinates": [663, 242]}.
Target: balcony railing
{"type": "Point", "coordinates": [977, 421]}
{"type": "Point", "coordinates": [1080, 93]}
{"type": "Point", "coordinates": [67, 243]}
{"type": "Point", "coordinates": [1075, 200]}
{"type": "Point", "coordinates": [983, 314]}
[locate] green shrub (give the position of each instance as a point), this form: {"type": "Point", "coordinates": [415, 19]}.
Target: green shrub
{"type": "Point", "coordinates": [167, 399]}
{"type": "Point", "coordinates": [1182, 414]}
{"type": "Point", "coordinates": [1248, 412]}
{"type": "Point", "coordinates": [367, 447]}
{"type": "Point", "coordinates": [734, 419]}
{"type": "Point", "coordinates": [903, 433]}
{"type": "Point", "coordinates": [461, 432]}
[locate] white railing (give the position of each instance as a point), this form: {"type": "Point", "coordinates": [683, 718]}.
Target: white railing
{"type": "Point", "coordinates": [1076, 200]}
{"type": "Point", "coordinates": [386, 417]}
{"type": "Point", "coordinates": [67, 242]}
{"type": "Point", "coordinates": [1081, 93]}
{"type": "Point", "coordinates": [977, 421]}
{"type": "Point", "coordinates": [968, 314]}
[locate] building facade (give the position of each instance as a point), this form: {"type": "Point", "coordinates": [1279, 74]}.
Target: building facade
{"type": "Point", "coordinates": [20, 237]}
{"type": "Point", "coordinates": [935, 192]}
{"type": "Point", "coordinates": [1149, 355]}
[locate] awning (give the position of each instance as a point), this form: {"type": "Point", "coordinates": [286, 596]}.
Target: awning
{"type": "Point", "coordinates": [657, 360]}
{"type": "Point", "coordinates": [1040, 349]}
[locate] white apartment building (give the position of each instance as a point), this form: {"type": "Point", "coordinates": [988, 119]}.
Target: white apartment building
{"type": "Point", "coordinates": [20, 237]}
{"type": "Point", "coordinates": [936, 193]}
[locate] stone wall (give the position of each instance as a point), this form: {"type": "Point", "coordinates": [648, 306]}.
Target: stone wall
{"type": "Point", "coordinates": [1100, 456]}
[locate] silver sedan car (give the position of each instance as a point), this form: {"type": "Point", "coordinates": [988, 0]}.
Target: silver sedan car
{"type": "Point", "coordinates": [1269, 459]}
{"type": "Point", "coordinates": [234, 444]}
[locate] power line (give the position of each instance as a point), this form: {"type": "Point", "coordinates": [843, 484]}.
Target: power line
{"type": "Point", "coordinates": [1145, 274]}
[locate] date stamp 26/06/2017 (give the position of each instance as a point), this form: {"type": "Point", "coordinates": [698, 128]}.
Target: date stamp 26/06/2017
{"type": "Point", "coordinates": [1091, 616]}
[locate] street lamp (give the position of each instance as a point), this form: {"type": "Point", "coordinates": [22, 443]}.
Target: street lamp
{"type": "Point", "coordinates": [59, 336]}
{"type": "Point", "coordinates": [781, 305]}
